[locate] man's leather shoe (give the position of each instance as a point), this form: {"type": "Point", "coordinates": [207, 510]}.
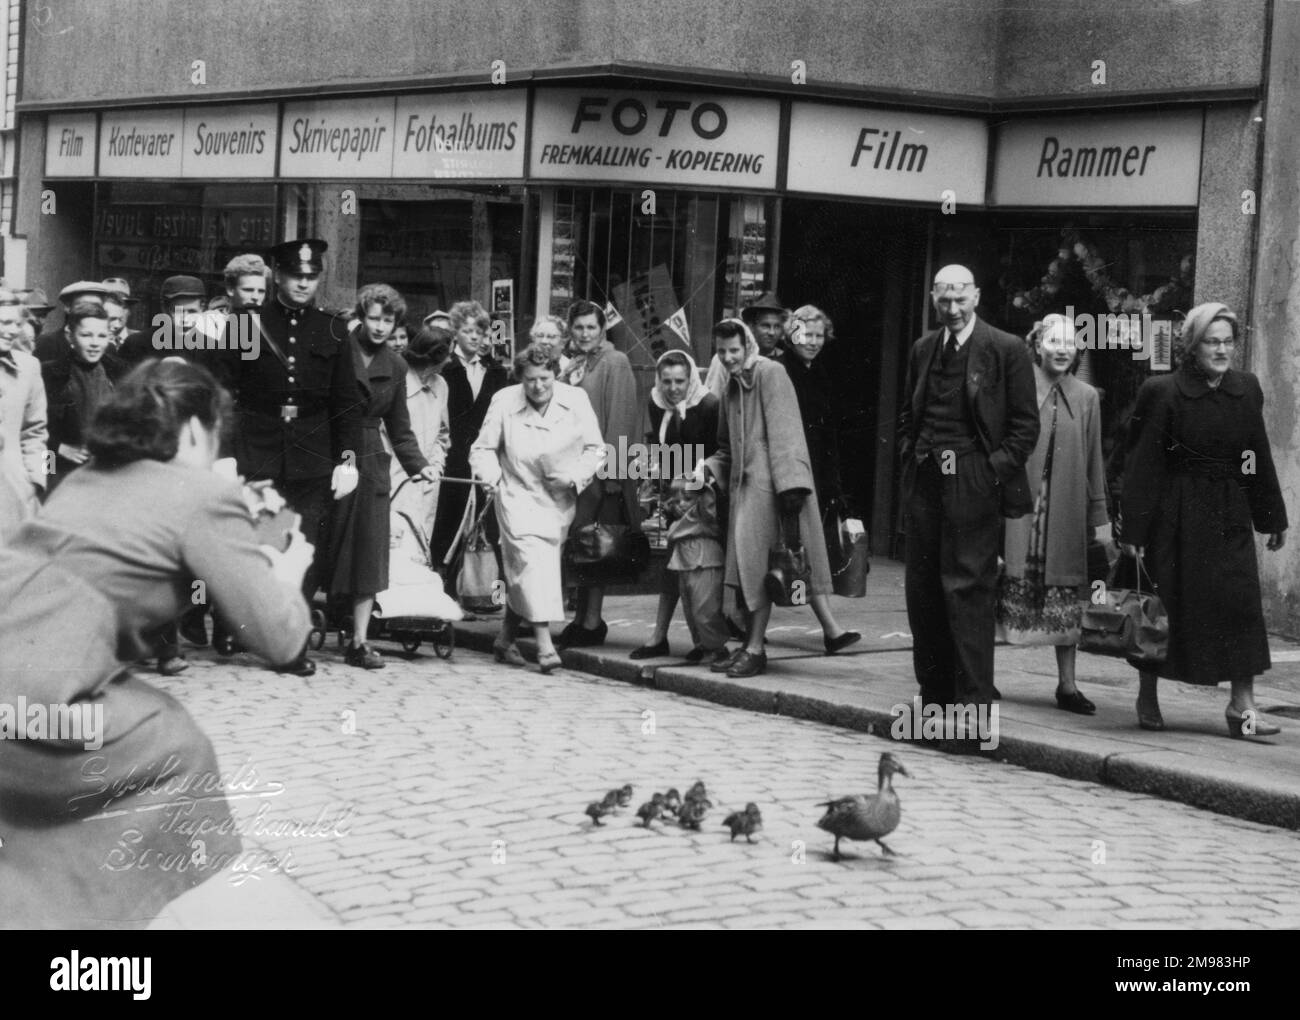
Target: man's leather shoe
{"type": "Point", "coordinates": [833, 645]}
{"type": "Point", "coordinates": [722, 665]}
{"type": "Point", "coordinates": [748, 664]}
{"type": "Point", "coordinates": [658, 650]}
{"type": "Point", "coordinates": [363, 656]}
{"type": "Point", "coordinates": [1075, 703]}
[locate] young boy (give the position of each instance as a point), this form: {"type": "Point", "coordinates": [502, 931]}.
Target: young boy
{"type": "Point", "coordinates": [697, 557]}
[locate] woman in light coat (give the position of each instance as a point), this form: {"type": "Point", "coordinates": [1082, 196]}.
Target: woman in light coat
{"type": "Point", "coordinates": [426, 401]}
{"type": "Point", "coordinates": [762, 460]}
{"type": "Point", "coordinates": [540, 445]}
{"type": "Point", "coordinates": [1046, 552]}
{"type": "Point", "coordinates": [23, 430]}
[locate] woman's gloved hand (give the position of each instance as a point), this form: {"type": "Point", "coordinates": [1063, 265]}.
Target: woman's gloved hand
{"type": "Point", "coordinates": [792, 501]}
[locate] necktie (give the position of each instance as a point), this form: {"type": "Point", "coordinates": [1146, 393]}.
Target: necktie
{"type": "Point", "coordinates": [949, 348]}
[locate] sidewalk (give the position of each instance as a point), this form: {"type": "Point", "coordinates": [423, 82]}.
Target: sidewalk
{"type": "Point", "coordinates": [1193, 761]}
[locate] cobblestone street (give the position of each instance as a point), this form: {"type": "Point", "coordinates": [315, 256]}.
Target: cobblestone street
{"type": "Point", "coordinates": [453, 794]}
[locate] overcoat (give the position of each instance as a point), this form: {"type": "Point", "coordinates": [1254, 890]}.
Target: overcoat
{"type": "Point", "coordinates": [610, 386]}
{"type": "Point", "coordinates": [1078, 485]}
{"type": "Point", "coordinates": [23, 431]}
{"type": "Point", "coordinates": [761, 452]}
{"type": "Point", "coordinates": [1198, 476]}
{"type": "Point", "coordinates": [360, 531]}
{"type": "Point", "coordinates": [96, 836]}
{"type": "Point", "coordinates": [821, 426]}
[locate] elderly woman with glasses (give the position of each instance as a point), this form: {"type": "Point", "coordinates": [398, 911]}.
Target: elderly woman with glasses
{"type": "Point", "coordinates": [1199, 476]}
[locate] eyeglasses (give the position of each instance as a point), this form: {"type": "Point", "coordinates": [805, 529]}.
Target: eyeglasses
{"type": "Point", "coordinates": [1220, 343]}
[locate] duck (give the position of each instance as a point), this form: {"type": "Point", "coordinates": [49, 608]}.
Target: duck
{"type": "Point", "coordinates": [624, 795]}
{"type": "Point", "coordinates": [651, 809]}
{"type": "Point", "coordinates": [597, 810]}
{"type": "Point", "coordinates": [672, 801]}
{"type": "Point", "coordinates": [744, 823]}
{"type": "Point", "coordinates": [864, 817]}
{"type": "Point", "coordinates": [692, 813]}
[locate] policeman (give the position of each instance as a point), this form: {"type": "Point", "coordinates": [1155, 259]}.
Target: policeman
{"type": "Point", "coordinates": [298, 403]}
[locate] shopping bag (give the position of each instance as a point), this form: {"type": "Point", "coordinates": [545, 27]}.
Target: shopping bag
{"type": "Point", "coordinates": [1127, 623]}
{"type": "Point", "coordinates": [603, 554]}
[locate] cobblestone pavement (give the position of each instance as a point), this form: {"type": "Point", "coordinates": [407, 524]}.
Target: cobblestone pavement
{"type": "Point", "coordinates": [452, 794]}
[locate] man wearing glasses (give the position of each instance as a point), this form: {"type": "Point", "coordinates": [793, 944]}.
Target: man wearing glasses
{"type": "Point", "coordinates": [969, 422]}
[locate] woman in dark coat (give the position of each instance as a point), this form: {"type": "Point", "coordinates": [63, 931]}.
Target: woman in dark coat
{"type": "Point", "coordinates": [361, 518]}
{"type": "Point", "coordinates": [684, 431]}
{"type": "Point", "coordinates": [810, 329]}
{"type": "Point", "coordinates": [102, 829]}
{"type": "Point", "coordinates": [1199, 475]}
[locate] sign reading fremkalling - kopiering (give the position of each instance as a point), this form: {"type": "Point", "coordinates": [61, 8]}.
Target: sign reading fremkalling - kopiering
{"type": "Point", "coordinates": [890, 154]}
{"type": "Point", "coordinates": [1141, 160]}
{"type": "Point", "coordinates": [676, 138]}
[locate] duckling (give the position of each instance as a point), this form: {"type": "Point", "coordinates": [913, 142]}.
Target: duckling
{"type": "Point", "coordinates": [672, 801]}
{"type": "Point", "coordinates": [651, 810]}
{"type": "Point", "coordinates": [597, 810]}
{"type": "Point", "coordinates": [697, 791]}
{"type": "Point", "coordinates": [625, 795]}
{"type": "Point", "coordinates": [866, 817]}
{"type": "Point", "coordinates": [691, 814]}
{"type": "Point", "coordinates": [744, 823]}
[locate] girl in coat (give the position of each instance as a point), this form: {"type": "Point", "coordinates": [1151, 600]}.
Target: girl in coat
{"type": "Point", "coordinates": [23, 431]}
{"type": "Point", "coordinates": [361, 518]}
{"type": "Point", "coordinates": [605, 375]}
{"type": "Point", "coordinates": [1190, 503]}
{"type": "Point", "coordinates": [539, 447]}
{"type": "Point", "coordinates": [684, 428]}
{"type": "Point", "coordinates": [763, 463]}
{"type": "Point", "coordinates": [90, 823]}
{"type": "Point", "coordinates": [1046, 551]}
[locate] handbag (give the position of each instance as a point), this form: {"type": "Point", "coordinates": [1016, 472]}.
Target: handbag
{"type": "Point", "coordinates": [477, 583]}
{"type": "Point", "coordinates": [788, 579]}
{"type": "Point", "coordinates": [601, 554]}
{"type": "Point", "coordinates": [1128, 624]}
{"type": "Point", "coordinates": [850, 557]}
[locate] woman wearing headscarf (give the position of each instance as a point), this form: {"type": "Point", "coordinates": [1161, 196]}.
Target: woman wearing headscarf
{"type": "Point", "coordinates": [683, 433]}
{"type": "Point", "coordinates": [764, 465]}
{"type": "Point", "coordinates": [1198, 477]}
{"type": "Point", "coordinates": [1046, 551]}
{"type": "Point", "coordinates": [99, 824]}
{"type": "Point", "coordinates": [426, 402]}
{"type": "Point", "coordinates": [605, 375]}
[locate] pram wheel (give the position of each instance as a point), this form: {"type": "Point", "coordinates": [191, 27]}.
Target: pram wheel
{"type": "Point", "coordinates": [444, 641]}
{"type": "Point", "coordinates": [411, 645]}
{"type": "Point", "coordinates": [316, 639]}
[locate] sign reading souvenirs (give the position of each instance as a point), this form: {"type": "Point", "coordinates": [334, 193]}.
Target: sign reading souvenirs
{"type": "Point", "coordinates": [1139, 160]}
{"type": "Point", "coordinates": [466, 134]}
{"type": "Point", "coordinates": [70, 145]}
{"type": "Point", "coordinates": [338, 138]}
{"type": "Point", "coordinates": [229, 141]}
{"type": "Point", "coordinates": [672, 138]}
{"type": "Point", "coordinates": [917, 157]}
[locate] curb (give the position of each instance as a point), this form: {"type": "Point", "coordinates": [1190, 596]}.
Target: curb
{"type": "Point", "coordinates": [1168, 775]}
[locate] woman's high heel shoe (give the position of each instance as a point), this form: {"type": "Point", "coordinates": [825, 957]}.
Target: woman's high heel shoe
{"type": "Point", "coordinates": [546, 663]}
{"type": "Point", "coordinates": [1249, 724]}
{"type": "Point", "coordinates": [508, 654]}
{"type": "Point", "coordinates": [1150, 719]}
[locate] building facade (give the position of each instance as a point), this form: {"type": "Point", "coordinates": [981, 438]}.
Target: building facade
{"type": "Point", "coordinates": [672, 161]}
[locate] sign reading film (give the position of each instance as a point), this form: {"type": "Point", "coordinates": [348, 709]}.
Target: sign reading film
{"type": "Point", "coordinates": [676, 138]}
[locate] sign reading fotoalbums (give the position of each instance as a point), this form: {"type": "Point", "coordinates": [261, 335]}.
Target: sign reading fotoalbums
{"type": "Point", "coordinates": [217, 141]}
{"type": "Point", "coordinates": [1134, 160]}
{"type": "Point", "coordinates": [866, 153]}
{"type": "Point", "coordinates": [675, 138]}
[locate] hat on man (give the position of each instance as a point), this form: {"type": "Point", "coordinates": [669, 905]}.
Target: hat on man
{"type": "Point", "coordinates": [35, 301]}
{"type": "Point", "coordinates": [83, 288]}
{"type": "Point", "coordinates": [176, 287]}
{"type": "Point", "coordinates": [431, 345]}
{"type": "Point", "coordinates": [767, 302]}
{"type": "Point", "coordinates": [434, 316]}
{"type": "Point", "coordinates": [121, 290]}
{"type": "Point", "coordinates": [302, 257]}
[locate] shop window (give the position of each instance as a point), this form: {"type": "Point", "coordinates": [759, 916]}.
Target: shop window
{"type": "Point", "coordinates": [149, 230]}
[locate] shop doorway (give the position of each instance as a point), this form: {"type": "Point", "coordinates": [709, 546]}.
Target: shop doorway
{"type": "Point", "coordinates": [865, 266]}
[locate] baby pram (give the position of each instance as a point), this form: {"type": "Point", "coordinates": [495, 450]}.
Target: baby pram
{"type": "Point", "coordinates": [414, 608]}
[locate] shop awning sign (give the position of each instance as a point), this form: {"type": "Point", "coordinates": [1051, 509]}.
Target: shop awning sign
{"type": "Point", "coordinates": [338, 138]}
{"type": "Point", "coordinates": [141, 143]}
{"type": "Point", "coordinates": [898, 155]}
{"type": "Point", "coordinates": [674, 138]}
{"type": "Point", "coordinates": [229, 141]}
{"type": "Point", "coordinates": [477, 135]}
{"type": "Point", "coordinates": [70, 145]}
{"type": "Point", "coordinates": [1142, 160]}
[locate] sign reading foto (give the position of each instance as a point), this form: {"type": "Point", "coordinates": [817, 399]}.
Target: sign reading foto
{"type": "Point", "coordinates": [675, 138]}
{"type": "Point", "coordinates": [1145, 160]}
{"type": "Point", "coordinates": [900, 155]}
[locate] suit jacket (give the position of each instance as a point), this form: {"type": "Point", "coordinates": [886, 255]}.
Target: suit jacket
{"type": "Point", "coordinates": [1003, 400]}
{"type": "Point", "coordinates": [465, 414]}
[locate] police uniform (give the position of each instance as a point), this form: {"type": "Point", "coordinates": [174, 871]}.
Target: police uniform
{"type": "Point", "coordinates": [298, 404]}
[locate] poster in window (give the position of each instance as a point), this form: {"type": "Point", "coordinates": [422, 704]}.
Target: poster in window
{"type": "Point", "coordinates": [503, 320]}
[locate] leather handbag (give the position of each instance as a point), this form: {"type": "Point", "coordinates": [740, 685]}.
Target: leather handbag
{"type": "Point", "coordinates": [1127, 623]}
{"type": "Point", "coordinates": [850, 558]}
{"type": "Point", "coordinates": [788, 577]}
{"type": "Point", "coordinates": [479, 581]}
{"type": "Point", "coordinates": [601, 554]}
